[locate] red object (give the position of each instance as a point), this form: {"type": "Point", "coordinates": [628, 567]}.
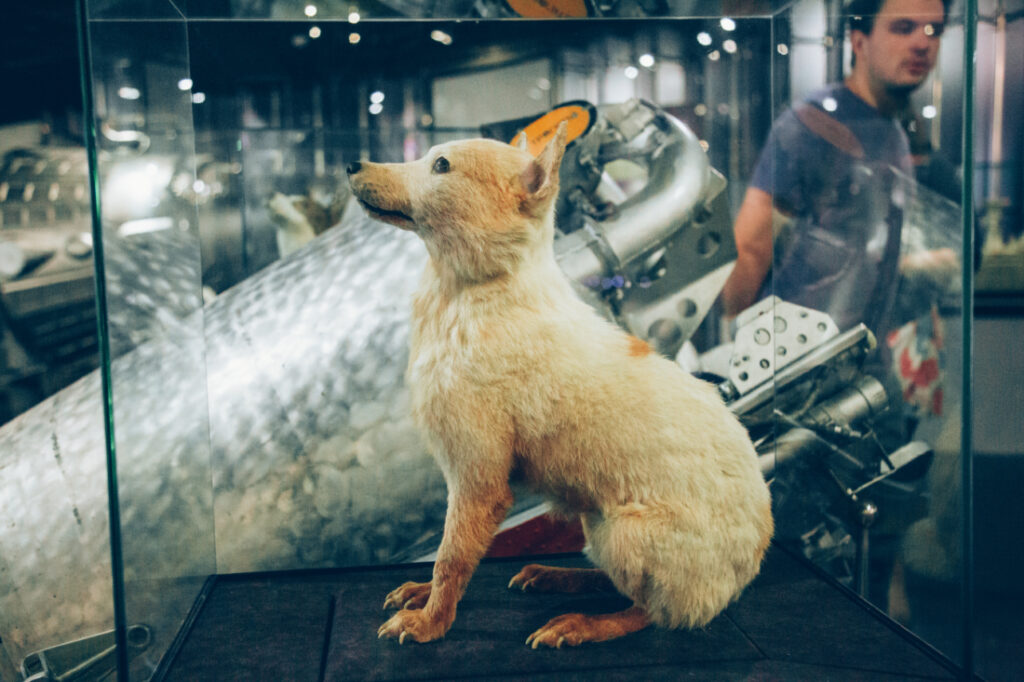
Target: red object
{"type": "Point", "coordinates": [542, 534]}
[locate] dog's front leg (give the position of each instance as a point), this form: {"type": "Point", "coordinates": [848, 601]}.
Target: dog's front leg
{"type": "Point", "coordinates": [469, 528]}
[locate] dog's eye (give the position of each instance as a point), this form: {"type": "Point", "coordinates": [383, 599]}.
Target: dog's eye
{"type": "Point", "coordinates": [441, 165]}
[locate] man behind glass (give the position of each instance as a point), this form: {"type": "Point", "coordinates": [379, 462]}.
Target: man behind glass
{"type": "Point", "coordinates": [826, 173]}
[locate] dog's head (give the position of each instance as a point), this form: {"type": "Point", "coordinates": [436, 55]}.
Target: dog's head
{"type": "Point", "coordinates": [479, 205]}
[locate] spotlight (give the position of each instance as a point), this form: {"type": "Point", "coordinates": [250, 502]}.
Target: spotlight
{"type": "Point", "coordinates": [704, 38]}
{"type": "Point", "coordinates": [646, 60]}
{"type": "Point", "coordinates": [727, 24]}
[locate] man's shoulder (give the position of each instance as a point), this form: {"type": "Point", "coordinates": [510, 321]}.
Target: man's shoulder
{"type": "Point", "coordinates": [824, 100]}
{"type": "Point", "coordinates": [840, 103]}
{"type": "Point", "coordinates": [818, 97]}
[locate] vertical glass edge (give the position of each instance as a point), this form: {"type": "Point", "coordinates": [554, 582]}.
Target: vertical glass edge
{"type": "Point", "coordinates": [186, 25]}
{"type": "Point", "coordinates": [113, 498]}
{"type": "Point", "coordinates": [967, 322]}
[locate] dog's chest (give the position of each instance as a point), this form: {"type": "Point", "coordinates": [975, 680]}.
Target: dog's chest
{"type": "Point", "coordinates": [446, 348]}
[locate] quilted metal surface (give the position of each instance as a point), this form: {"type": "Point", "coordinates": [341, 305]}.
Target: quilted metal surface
{"type": "Point", "coordinates": [306, 457]}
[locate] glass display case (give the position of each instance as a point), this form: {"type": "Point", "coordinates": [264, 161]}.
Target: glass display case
{"type": "Point", "coordinates": [254, 321]}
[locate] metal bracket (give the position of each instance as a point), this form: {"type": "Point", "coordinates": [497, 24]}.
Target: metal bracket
{"type": "Point", "coordinates": [85, 660]}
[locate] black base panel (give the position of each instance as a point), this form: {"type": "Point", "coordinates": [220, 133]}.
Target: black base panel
{"type": "Point", "coordinates": [788, 625]}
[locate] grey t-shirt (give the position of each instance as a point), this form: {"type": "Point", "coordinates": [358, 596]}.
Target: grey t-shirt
{"type": "Point", "coordinates": [829, 164]}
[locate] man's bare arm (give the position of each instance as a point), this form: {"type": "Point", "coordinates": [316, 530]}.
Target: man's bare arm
{"type": "Point", "coordinates": [754, 236]}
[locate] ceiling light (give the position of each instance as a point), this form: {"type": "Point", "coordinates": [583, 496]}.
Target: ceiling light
{"type": "Point", "coordinates": [727, 24]}
{"type": "Point", "coordinates": [704, 38]}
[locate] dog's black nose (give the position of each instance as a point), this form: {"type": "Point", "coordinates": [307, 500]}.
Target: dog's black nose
{"type": "Point", "coordinates": [353, 168]}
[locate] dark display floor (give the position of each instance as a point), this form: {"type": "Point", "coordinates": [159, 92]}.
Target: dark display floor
{"type": "Point", "coordinates": [789, 625]}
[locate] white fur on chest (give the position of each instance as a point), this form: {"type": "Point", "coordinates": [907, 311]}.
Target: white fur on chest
{"type": "Point", "coordinates": [495, 345]}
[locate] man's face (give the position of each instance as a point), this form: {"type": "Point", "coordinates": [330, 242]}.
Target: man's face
{"type": "Point", "coordinates": [901, 49]}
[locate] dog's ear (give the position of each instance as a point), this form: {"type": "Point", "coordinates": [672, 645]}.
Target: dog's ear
{"type": "Point", "coordinates": [521, 142]}
{"type": "Point", "coordinates": [540, 179]}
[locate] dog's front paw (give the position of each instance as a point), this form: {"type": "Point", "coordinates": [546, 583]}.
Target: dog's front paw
{"type": "Point", "coordinates": [408, 596]}
{"type": "Point", "coordinates": [414, 624]}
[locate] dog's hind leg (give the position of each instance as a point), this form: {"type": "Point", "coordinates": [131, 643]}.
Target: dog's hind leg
{"type": "Point", "coordinates": [409, 596]}
{"type": "Point", "coordinates": [537, 578]}
{"type": "Point", "coordinates": [576, 628]}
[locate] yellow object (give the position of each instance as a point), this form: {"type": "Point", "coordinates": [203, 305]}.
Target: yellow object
{"type": "Point", "coordinates": [540, 131]}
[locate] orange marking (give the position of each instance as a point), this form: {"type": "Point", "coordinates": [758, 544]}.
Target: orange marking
{"type": "Point", "coordinates": [549, 9]}
{"type": "Point", "coordinates": [638, 348]}
{"type": "Point", "coordinates": [544, 128]}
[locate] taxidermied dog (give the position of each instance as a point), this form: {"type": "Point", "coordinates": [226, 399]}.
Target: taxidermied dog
{"type": "Point", "coordinates": [300, 218]}
{"type": "Point", "coordinates": [510, 372]}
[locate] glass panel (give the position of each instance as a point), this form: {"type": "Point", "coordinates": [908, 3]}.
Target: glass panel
{"type": "Point", "coordinates": [314, 382]}
{"type": "Point", "coordinates": [259, 319]}
{"type": "Point", "coordinates": [55, 569]}
{"type": "Point", "coordinates": [998, 371]}
{"type": "Point", "coordinates": [863, 256]}
{"type": "Point", "coordinates": [353, 12]}
{"type": "Point", "coordinates": [134, 9]}
{"type": "Point", "coordinates": [155, 319]}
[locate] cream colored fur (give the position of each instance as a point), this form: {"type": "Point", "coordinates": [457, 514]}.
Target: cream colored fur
{"type": "Point", "coordinates": [293, 227]}
{"type": "Point", "coordinates": [511, 372]}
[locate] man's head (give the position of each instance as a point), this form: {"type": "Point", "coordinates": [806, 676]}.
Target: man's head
{"type": "Point", "coordinates": [895, 42]}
